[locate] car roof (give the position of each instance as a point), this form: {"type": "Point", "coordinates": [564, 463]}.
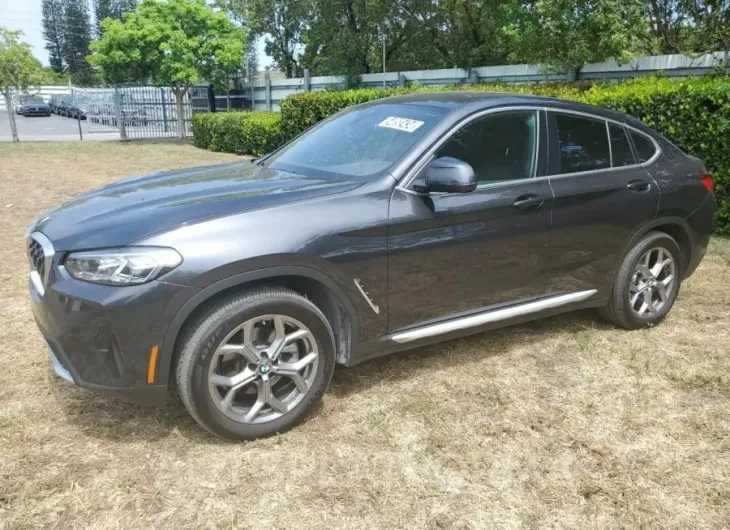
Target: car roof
{"type": "Point", "coordinates": [466, 102]}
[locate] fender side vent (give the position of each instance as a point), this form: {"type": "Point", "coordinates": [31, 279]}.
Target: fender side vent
{"type": "Point", "coordinates": [366, 296]}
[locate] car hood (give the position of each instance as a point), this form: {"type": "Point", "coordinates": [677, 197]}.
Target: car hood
{"type": "Point", "coordinates": [129, 210]}
{"type": "Point", "coordinates": [41, 105]}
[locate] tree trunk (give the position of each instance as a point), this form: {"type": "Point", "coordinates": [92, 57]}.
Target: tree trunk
{"type": "Point", "coordinates": [179, 97]}
{"type": "Point", "coordinates": [11, 114]}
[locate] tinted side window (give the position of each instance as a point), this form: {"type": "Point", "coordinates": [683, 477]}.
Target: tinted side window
{"type": "Point", "coordinates": [620, 147]}
{"type": "Point", "coordinates": [644, 147]}
{"type": "Point", "coordinates": [583, 143]}
{"type": "Point", "coordinates": [500, 146]}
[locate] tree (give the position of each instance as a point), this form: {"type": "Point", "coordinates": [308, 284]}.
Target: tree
{"type": "Point", "coordinates": [280, 22]}
{"type": "Point", "coordinates": [124, 6]}
{"type": "Point", "coordinates": [51, 77]}
{"type": "Point", "coordinates": [346, 38]}
{"type": "Point", "coordinates": [237, 11]}
{"type": "Point", "coordinates": [19, 70]}
{"type": "Point", "coordinates": [53, 32]}
{"type": "Point", "coordinates": [76, 40]}
{"type": "Point", "coordinates": [175, 43]}
{"type": "Point", "coordinates": [469, 33]}
{"type": "Point", "coordinates": [283, 21]}
{"type": "Point", "coordinates": [710, 21]}
{"type": "Point", "coordinates": [104, 9]}
{"type": "Point", "coordinates": [667, 26]}
{"type": "Point", "coordinates": [563, 35]}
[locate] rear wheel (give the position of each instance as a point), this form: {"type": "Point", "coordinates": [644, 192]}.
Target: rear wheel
{"type": "Point", "coordinates": [646, 284]}
{"type": "Point", "coordinates": [253, 365]}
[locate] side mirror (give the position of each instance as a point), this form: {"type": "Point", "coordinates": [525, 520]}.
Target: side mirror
{"type": "Point", "coordinates": [450, 175]}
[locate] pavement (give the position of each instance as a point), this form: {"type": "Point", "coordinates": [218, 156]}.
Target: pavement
{"type": "Point", "coordinates": [54, 128]}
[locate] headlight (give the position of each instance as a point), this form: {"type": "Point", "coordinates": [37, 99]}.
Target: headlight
{"type": "Point", "coordinates": [123, 266]}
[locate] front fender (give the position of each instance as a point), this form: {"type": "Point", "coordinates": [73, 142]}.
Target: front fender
{"type": "Point", "coordinates": [168, 346]}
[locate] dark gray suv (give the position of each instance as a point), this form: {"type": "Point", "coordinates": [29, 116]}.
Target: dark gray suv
{"type": "Point", "coordinates": [391, 225]}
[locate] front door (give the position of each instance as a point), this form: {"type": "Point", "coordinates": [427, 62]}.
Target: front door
{"type": "Point", "coordinates": [453, 253]}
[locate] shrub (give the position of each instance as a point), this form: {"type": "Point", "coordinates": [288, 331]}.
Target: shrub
{"type": "Point", "coordinates": [200, 127]}
{"type": "Point", "coordinates": [245, 133]}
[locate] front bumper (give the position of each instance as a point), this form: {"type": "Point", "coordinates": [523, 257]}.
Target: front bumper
{"type": "Point", "coordinates": [34, 112]}
{"type": "Point", "coordinates": [101, 337]}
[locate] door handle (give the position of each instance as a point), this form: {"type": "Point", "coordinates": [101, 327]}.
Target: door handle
{"type": "Point", "coordinates": [526, 202]}
{"type": "Point", "coordinates": [639, 186]}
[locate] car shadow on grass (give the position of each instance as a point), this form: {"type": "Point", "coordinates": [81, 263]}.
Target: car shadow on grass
{"type": "Point", "coordinates": [102, 417]}
{"type": "Point", "coordinates": [459, 352]}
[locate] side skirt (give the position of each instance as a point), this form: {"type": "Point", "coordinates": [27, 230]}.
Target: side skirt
{"type": "Point", "coordinates": [494, 315]}
{"type": "Point", "coordinates": [525, 312]}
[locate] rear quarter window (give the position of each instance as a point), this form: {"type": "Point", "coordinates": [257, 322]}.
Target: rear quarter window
{"type": "Point", "coordinates": [645, 148]}
{"type": "Point", "coordinates": [620, 148]}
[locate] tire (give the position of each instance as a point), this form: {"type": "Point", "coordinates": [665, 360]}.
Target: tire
{"type": "Point", "coordinates": [200, 359]}
{"type": "Point", "coordinates": [631, 283]}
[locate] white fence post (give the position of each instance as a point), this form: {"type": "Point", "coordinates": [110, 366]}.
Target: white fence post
{"type": "Point", "coordinates": [267, 79]}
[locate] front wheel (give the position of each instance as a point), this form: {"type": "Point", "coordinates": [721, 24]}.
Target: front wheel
{"type": "Point", "coordinates": [255, 364]}
{"type": "Point", "coordinates": [646, 284]}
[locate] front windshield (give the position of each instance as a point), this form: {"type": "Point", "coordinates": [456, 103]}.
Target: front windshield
{"type": "Point", "coordinates": [360, 143]}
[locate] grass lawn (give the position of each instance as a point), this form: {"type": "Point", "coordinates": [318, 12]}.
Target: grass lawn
{"type": "Point", "coordinates": [565, 422]}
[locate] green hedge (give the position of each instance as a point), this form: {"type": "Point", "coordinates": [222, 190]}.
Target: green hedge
{"type": "Point", "coordinates": [693, 113]}
{"type": "Point", "coordinates": [245, 133]}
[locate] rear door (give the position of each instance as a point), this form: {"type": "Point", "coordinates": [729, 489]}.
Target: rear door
{"type": "Point", "coordinates": [603, 195]}
{"type": "Point", "coordinates": [451, 253]}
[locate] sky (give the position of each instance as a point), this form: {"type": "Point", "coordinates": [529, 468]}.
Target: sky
{"type": "Point", "coordinates": [26, 15]}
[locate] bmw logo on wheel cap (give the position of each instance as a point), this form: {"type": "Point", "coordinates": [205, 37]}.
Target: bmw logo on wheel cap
{"type": "Point", "coordinates": [265, 368]}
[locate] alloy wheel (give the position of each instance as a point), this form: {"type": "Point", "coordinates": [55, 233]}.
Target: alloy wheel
{"type": "Point", "coordinates": [263, 369]}
{"type": "Point", "coordinates": [652, 282]}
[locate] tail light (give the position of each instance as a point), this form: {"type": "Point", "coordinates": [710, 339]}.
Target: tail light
{"type": "Point", "coordinates": [708, 182]}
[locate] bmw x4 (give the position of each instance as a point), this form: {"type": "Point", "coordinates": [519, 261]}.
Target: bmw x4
{"type": "Point", "coordinates": [391, 225]}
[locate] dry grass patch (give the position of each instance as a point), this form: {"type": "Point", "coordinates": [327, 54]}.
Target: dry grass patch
{"type": "Point", "coordinates": [565, 422]}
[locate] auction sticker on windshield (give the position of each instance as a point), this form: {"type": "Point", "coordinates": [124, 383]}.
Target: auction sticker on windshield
{"type": "Point", "coordinates": [400, 124]}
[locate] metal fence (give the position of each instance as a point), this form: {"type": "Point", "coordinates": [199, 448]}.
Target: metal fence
{"type": "Point", "coordinates": [132, 112]}
{"type": "Point", "coordinates": [138, 111]}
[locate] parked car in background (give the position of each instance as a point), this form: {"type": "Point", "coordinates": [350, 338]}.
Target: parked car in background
{"type": "Point", "coordinates": [18, 103]}
{"type": "Point", "coordinates": [35, 107]}
{"type": "Point", "coordinates": [54, 102]}
{"type": "Point", "coordinates": [62, 106]}
{"type": "Point", "coordinates": [392, 225]}
{"type": "Point", "coordinates": [77, 110]}
{"type": "Point", "coordinates": [133, 117]}
{"type": "Point", "coordinates": [25, 99]}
